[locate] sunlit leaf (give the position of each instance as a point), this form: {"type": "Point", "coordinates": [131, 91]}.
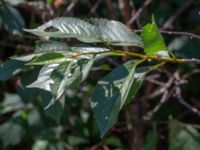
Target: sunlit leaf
{"type": "Point", "coordinates": [94, 30]}
{"type": "Point", "coordinates": [44, 80]}
{"type": "Point", "coordinates": [116, 33]}
{"type": "Point", "coordinates": [47, 58]}
{"type": "Point", "coordinates": [69, 75]}
{"type": "Point", "coordinates": [152, 39]}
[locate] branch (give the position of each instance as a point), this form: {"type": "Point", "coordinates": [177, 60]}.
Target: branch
{"type": "Point", "coordinates": [155, 57]}
{"type": "Point", "coordinates": [95, 7]}
{"type": "Point", "coordinates": [192, 35]}
{"type": "Point", "coordinates": [180, 97]}
{"type": "Point", "coordinates": [124, 6]}
{"type": "Point", "coordinates": [165, 97]}
{"type": "Point", "coordinates": [140, 10]}
{"type": "Point", "coordinates": [184, 103]}
{"type": "Point", "coordinates": [125, 53]}
{"type": "Point", "coordinates": [169, 22]}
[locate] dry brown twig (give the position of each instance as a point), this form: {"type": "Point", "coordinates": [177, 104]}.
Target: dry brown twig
{"type": "Point", "coordinates": [174, 81]}
{"type": "Point", "coordinates": [180, 97]}
{"type": "Point", "coordinates": [139, 12]}
{"type": "Point", "coordinates": [167, 93]}
{"type": "Point", "coordinates": [169, 22]}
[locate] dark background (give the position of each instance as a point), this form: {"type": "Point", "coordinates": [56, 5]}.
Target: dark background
{"type": "Point", "coordinates": [164, 115]}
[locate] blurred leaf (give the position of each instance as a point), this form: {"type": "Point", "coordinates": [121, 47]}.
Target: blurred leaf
{"type": "Point", "coordinates": [185, 47]}
{"type": "Point", "coordinates": [12, 132]}
{"type": "Point", "coordinates": [40, 145]}
{"type": "Point", "coordinates": [151, 141]}
{"type": "Point", "coordinates": [11, 18]}
{"type": "Point", "coordinates": [49, 1]}
{"type": "Point", "coordinates": [55, 112]}
{"type": "Point", "coordinates": [15, 2]}
{"type": "Point", "coordinates": [183, 137]}
{"type": "Point", "coordinates": [73, 140]}
{"type": "Point", "coordinates": [51, 134]}
{"type": "Point", "coordinates": [12, 102]}
{"type": "Point", "coordinates": [113, 91]}
{"type": "Point", "coordinates": [95, 30]}
{"type": "Point", "coordinates": [47, 145]}
{"type": "Point", "coordinates": [10, 68]}
{"type": "Point", "coordinates": [153, 40]}
{"type": "Point", "coordinates": [113, 141]}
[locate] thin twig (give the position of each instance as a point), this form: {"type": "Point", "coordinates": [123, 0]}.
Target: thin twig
{"type": "Point", "coordinates": [138, 13]}
{"type": "Point", "coordinates": [155, 57]}
{"type": "Point", "coordinates": [95, 7]}
{"type": "Point", "coordinates": [169, 22]}
{"type": "Point", "coordinates": [166, 95]}
{"type": "Point", "coordinates": [184, 103]}
{"type": "Point", "coordinates": [71, 5]}
{"type": "Point", "coordinates": [124, 6]}
{"type": "Point", "coordinates": [192, 35]}
{"type": "Point", "coordinates": [180, 97]}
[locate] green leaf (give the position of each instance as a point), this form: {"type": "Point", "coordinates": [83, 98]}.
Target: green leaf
{"type": "Point", "coordinates": [152, 39]}
{"type": "Point", "coordinates": [12, 132]}
{"type": "Point", "coordinates": [47, 58]}
{"type": "Point", "coordinates": [49, 145]}
{"type": "Point", "coordinates": [69, 75]}
{"type": "Point", "coordinates": [59, 48]}
{"type": "Point", "coordinates": [183, 137]}
{"type": "Point", "coordinates": [11, 19]}
{"type": "Point", "coordinates": [55, 112]}
{"type": "Point", "coordinates": [43, 47]}
{"type": "Point", "coordinates": [151, 141]}
{"type": "Point", "coordinates": [116, 33]}
{"type": "Point", "coordinates": [11, 102]}
{"type": "Point", "coordinates": [113, 141]}
{"type": "Point", "coordinates": [59, 76]}
{"type": "Point", "coordinates": [113, 91]}
{"type": "Point", "coordinates": [43, 81]}
{"type": "Point", "coordinates": [49, 1]}
{"type": "Point", "coordinates": [10, 68]}
{"type": "Point", "coordinates": [94, 30]}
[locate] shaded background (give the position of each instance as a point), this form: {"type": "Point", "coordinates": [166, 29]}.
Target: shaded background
{"type": "Point", "coordinates": [164, 115]}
